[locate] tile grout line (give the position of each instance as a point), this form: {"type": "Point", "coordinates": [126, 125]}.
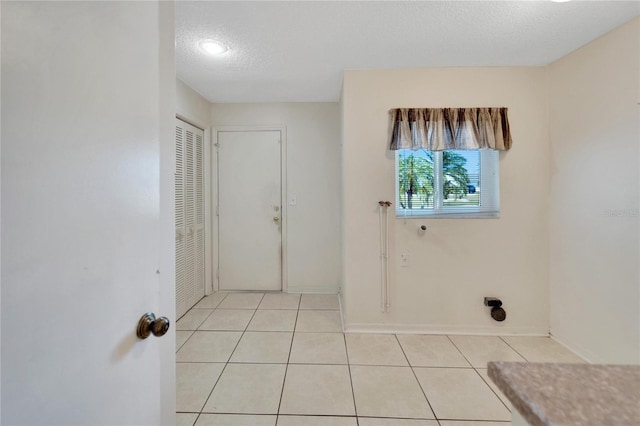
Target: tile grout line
{"type": "Point", "coordinates": [494, 392]}
{"type": "Point", "coordinates": [506, 422]}
{"type": "Point", "coordinates": [353, 391]}
{"type": "Point", "coordinates": [409, 365]}
{"type": "Point", "coordinates": [416, 377]}
{"type": "Point", "coordinates": [523, 357]}
{"type": "Point", "coordinates": [478, 373]}
{"type": "Point", "coordinates": [228, 359]}
{"type": "Point", "coordinates": [201, 322]}
{"type": "Point", "coordinates": [460, 351]}
{"type": "Point", "coordinates": [514, 349]}
{"type": "Point", "coordinates": [197, 417]}
{"type": "Point", "coordinates": [286, 368]}
{"type": "Point", "coordinates": [193, 332]}
{"type": "Point", "coordinates": [323, 363]}
{"type": "Point", "coordinates": [183, 343]}
{"type": "Point", "coordinates": [207, 317]}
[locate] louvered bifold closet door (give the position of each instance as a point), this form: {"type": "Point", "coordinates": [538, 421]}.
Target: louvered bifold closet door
{"type": "Point", "coordinates": [180, 225]}
{"type": "Point", "coordinates": [190, 232]}
{"type": "Point", "coordinates": [199, 213]}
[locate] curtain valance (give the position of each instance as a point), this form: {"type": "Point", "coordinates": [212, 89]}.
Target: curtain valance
{"type": "Point", "coordinates": [439, 129]}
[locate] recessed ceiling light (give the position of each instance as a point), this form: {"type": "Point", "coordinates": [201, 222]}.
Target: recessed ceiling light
{"type": "Point", "coordinates": [213, 47]}
{"type": "Point", "coordinates": [560, 1]}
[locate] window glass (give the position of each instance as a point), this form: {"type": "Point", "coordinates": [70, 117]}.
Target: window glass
{"type": "Point", "coordinates": [447, 183]}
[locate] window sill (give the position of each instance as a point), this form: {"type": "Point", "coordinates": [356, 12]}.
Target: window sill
{"type": "Point", "coordinates": [457, 215]}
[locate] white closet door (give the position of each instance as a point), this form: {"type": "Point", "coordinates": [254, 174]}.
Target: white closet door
{"type": "Point", "coordinates": [180, 225]}
{"type": "Point", "coordinates": [190, 230]}
{"type": "Point", "coordinates": [199, 215]}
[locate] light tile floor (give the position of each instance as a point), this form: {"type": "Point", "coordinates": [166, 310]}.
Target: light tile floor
{"type": "Point", "coordinates": [282, 359]}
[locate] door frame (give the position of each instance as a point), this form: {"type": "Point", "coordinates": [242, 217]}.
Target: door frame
{"type": "Point", "coordinates": [208, 158]}
{"type": "Point", "coordinates": [283, 196]}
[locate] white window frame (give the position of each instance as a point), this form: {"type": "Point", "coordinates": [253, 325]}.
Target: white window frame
{"type": "Point", "coordinates": [489, 196]}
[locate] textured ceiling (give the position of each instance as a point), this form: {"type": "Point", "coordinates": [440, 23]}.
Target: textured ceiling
{"type": "Point", "coordinates": [296, 51]}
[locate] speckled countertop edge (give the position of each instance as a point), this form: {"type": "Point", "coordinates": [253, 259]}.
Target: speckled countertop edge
{"type": "Point", "coordinates": [521, 402]}
{"type": "Point", "coordinates": [570, 394]}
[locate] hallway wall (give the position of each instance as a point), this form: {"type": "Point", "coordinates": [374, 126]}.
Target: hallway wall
{"type": "Point", "coordinates": [313, 176]}
{"type": "Point", "coordinates": [191, 106]}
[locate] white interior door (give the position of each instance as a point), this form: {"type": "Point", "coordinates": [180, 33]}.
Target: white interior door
{"type": "Point", "coordinates": [87, 212]}
{"type": "Point", "coordinates": [249, 210]}
{"type": "Point", "coordinates": [189, 210]}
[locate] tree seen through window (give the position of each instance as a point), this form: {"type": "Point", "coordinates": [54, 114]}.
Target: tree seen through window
{"type": "Point", "coordinates": [446, 178]}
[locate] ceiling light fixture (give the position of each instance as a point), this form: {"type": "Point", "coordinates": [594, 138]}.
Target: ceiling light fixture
{"type": "Point", "coordinates": [560, 1]}
{"type": "Point", "coordinates": [213, 47]}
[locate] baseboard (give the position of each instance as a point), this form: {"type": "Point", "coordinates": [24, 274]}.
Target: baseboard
{"type": "Point", "coordinates": [444, 329]}
{"type": "Point", "coordinates": [325, 289]}
{"type": "Point", "coordinates": [583, 353]}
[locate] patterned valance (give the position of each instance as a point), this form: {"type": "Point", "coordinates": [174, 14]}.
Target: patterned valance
{"type": "Point", "coordinates": [439, 129]}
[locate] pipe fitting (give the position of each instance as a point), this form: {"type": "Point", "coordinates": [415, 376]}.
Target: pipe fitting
{"type": "Point", "coordinates": [497, 312]}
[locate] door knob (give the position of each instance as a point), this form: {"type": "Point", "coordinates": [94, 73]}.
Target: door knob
{"type": "Point", "coordinates": [148, 324]}
{"type": "Point", "coordinates": [276, 219]}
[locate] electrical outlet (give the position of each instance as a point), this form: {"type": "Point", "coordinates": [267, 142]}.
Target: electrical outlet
{"type": "Point", "coordinates": [404, 259]}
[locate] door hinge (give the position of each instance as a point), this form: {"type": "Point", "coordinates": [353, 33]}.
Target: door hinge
{"type": "Point", "coordinates": [218, 210]}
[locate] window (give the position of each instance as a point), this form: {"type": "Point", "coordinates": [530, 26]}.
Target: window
{"type": "Point", "coordinates": [447, 183]}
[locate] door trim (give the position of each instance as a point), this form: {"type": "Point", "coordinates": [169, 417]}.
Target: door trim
{"type": "Point", "coordinates": [283, 196]}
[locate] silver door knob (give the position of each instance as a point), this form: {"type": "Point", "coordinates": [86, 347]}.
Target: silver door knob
{"type": "Point", "coordinates": [149, 324]}
{"type": "Point", "coordinates": [276, 219]}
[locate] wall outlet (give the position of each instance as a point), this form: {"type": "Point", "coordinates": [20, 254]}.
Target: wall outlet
{"type": "Point", "coordinates": [404, 259]}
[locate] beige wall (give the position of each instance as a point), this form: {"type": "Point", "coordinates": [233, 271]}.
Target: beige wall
{"type": "Point", "coordinates": [313, 175]}
{"type": "Point", "coordinates": [458, 261]}
{"type": "Point", "coordinates": [594, 94]}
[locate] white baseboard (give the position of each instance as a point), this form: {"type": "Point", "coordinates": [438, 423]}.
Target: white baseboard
{"type": "Point", "coordinates": [444, 329]}
{"type": "Point", "coordinates": [583, 353]}
{"type": "Point", "coordinates": [325, 289]}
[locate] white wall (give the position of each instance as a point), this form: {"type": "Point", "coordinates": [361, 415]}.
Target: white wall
{"type": "Point", "coordinates": [313, 175]}
{"type": "Point", "coordinates": [594, 257]}
{"type": "Point", "coordinates": [191, 106]}
{"type": "Point", "coordinates": [458, 261]}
